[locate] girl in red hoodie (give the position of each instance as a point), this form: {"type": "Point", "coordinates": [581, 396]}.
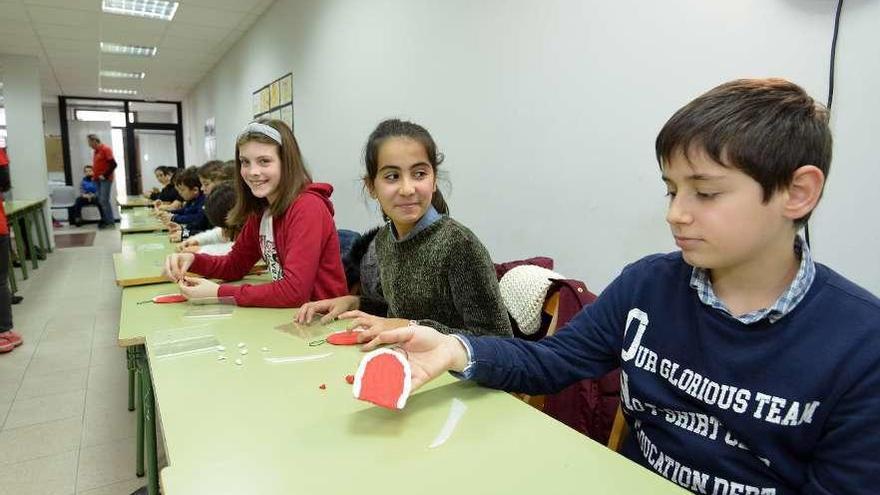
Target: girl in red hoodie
{"type": "Point", "coordinates": [287, 220]}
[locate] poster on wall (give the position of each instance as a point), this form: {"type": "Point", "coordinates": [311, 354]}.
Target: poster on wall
{"type": "Point", "coordinates": [287, 115]}
{"type": "Point", "coordinates": [275, 100]}
{"type": "Point", "coordinates": [255, 103]}
{"type": "Point", "coordinates": [210, 139]}
{"type": "Point", "coordinates": [264, 100]}
{"type": "Point", "coordinates": [287, 89]}
{"type": "Point", "coordinates": [274, 94]}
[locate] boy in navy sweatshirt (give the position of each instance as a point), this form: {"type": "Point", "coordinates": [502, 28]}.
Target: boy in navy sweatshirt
{"type": "Point", "coordinates": [747, 368]}
{"type": "Point", "coordinates": [191, 217]}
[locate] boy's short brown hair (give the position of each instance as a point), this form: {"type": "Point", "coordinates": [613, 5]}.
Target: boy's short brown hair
{"type": "Point", "coordinates": [188, 177]}
{"type": "Point", "coordinates": [767, 128]}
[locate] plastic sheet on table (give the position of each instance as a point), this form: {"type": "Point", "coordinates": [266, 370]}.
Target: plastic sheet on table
{"type": "Point", "coordinates": [182, 342]}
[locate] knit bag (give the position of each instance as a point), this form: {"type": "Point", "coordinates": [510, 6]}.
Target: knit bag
{"type": "Point", "coordinates": [523, 290]}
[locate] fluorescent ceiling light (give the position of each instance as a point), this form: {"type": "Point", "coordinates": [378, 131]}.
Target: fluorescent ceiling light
{"type": "Point", "coordinates": [152, 9]}
{"type": "Point", "coordinates": [123, 75]}
{"type": "Point", "coordinates": [140, 51]}
{"type": "Point", "coordinates": [117, 91]}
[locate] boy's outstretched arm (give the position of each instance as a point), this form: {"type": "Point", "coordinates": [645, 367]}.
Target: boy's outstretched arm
{"type": "Point", "coordinates": [429, 352]}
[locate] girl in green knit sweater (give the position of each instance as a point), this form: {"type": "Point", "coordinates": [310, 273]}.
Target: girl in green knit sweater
{"type": "Point", "coordinates": [432, 269]}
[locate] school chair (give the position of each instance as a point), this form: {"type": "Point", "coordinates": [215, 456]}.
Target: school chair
{"type": "Point", "coordinates": [62, 198]}
{"type": "Point", "coordinates": [588, 406]}
{"type": "Point", "coordinates": [619, 431]}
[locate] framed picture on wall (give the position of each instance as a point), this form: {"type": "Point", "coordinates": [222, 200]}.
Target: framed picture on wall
{"type": "Point", "coordinates": [287, 115]}
{"type": "Point", "coordinates": [274, 94]}
{"type": "Point", "coordinates": [255, 103]}
{"type": "Point", "coordinates": [287, 89]}
{"type": "Point", "coordinates": [264, 100]}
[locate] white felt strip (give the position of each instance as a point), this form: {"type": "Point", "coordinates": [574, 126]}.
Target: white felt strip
{"type": "Point", "coordinates": [456, 412]}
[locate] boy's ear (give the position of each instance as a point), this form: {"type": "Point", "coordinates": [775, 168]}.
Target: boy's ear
{"type": "Point", "coordinates": [804, 191]}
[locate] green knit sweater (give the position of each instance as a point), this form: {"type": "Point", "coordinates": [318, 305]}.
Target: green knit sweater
{"type": "Point", "coordinates": [444, 278]}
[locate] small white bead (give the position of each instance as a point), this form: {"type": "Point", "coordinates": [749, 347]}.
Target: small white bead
{"type": "Point", "coordinates": [221, 348]}
{"type": "Point", "coordinates": [243, 352]}
{"type": "Point", "coordinates": [240, 345]}
{"type": "Point", "coordinates": [221, 357]}
{"type": "Point", "coordinates": [238, 362]}
{"type": "Point", "coordinates": [265, 349]}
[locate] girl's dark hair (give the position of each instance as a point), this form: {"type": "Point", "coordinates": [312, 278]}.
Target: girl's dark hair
{"type": "Point", "coordinates": [396, 128]}
{"type": "Point", "coordinates": [218, 204]}
{"type": "Point", "coordinates": [172, 171]}
{"type": "Point", "coordinates": [294, 175]}
{"type": "Point", "coordinates": [768, 128]}
{"type": "Point", "coordinates": [188, 177]}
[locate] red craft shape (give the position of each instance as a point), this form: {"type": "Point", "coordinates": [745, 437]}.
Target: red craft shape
{"type": "Point", "coordinates": [343, 338]}
{"type": "Point", "coordinates": [383, 378]}
{"type": "Point", "coordinates": [349, 379]}
{"type": "Point", "coordinates": [169, 298]}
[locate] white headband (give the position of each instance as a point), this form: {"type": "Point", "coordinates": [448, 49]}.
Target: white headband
{"type": "Point", "coordinates": [259, 128]}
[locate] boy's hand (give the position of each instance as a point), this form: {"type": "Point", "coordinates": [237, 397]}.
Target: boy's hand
{"type": "Point", "coordinates": [198, 288]}
{"type": "Point", "coordinates": [332, 307]}
{"type": "Point", "coordinates": [173, 227]}
{"type": "Point", "coordinates": [372, 325]}
{"type": "Point", "coordinates": [177, 264]}
{"type": "Point", "coordinates": [175, 236]}
{"type": "Point", "coordinates": [429, 352]}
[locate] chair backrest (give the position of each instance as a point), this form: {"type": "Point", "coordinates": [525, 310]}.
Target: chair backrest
{"type": "Point", "coordinates": [619, 430]}
{"type": "Point", "coordinates": [62, 196]}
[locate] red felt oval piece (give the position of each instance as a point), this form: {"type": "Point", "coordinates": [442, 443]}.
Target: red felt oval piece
{"type": "Point", "coordinates": [343, 338]}
{"type": "Point", "coordinates": [169, 298]}
{"type": "Point", "coordinates": [349, 379]}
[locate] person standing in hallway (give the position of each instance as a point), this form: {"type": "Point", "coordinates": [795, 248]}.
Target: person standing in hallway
{"type": "Point", "coordinates": [9, 339]}
{"type": "Point", "coordinates": [103, 165]}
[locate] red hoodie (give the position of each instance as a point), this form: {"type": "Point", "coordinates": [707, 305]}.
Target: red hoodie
{"type": "Point", "coordinates": [307, 247]}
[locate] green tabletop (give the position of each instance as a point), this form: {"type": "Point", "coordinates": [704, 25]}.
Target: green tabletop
{"type": "Point", "coordinates": [126, 201]}
{"type": "Point", "coordinates": [141, 259]}
{"type": "Point", "coordinates": [136, 220]}
{"type": "Point", "coordinates": [18, 206]}
{"type": "Point", "coordinates": [137, 320]}
{"type": "Point", "coordinates": [269, 428]}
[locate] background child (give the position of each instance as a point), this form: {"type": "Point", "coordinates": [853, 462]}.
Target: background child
{"type": "Point", "coordinates": [168, 194]}
{"type": "Point", "coordinates": [431, 268]}
{"type": "Point", "coordinates": [88, 191]}
{"type": "Point", "coordinates": [745, 365]}
{"type": "Point", "coordinates": [191, 217]}
{"type": "Point", "coordinates": [169, 199]}
{"type": "Point", "coordinates": [218, 240]}
{"type": "Point", "coordinates": [287, 220]}
{"type": "Point", "coordinates": [9, 339]}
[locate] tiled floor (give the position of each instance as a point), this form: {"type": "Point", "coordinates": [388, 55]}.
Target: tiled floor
{"type": "Point", "coordinates": [65, 424]}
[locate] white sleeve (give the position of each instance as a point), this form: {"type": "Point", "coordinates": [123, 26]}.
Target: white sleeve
{"type": "Point", "coordinates": [212, 236]}
{"type": "Point", "coordinates": [216, 249]}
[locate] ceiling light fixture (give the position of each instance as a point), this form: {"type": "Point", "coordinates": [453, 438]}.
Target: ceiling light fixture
{"type": "Point", "coordinates": [151, 9]}
{"type": "Point", "coordinates": [139, 51]}
{"type": "Point", "coordinates": [117, 91]}
{"type": "Point", "coordinates": [123, 75]}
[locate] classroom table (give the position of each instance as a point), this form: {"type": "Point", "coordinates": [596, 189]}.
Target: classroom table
{"type": "Point", "coordinates": [141, 258]}
{"type": "Point", "coordinates": [137, 319]}
{"type": "Point", "coordinates": [30, 212]}
{"type": "Point", "coordinates": [125, 201]}
{"type": "Point", "coordinates": [136, 220]}
{"type": "Point", "coordinates": [267, 428]}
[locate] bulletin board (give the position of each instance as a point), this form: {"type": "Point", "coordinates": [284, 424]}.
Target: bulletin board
{"type": "Point", "coordinates": [275, 100]}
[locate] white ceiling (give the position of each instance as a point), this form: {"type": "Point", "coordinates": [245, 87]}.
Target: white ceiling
{"type": "Point", "coordinates": [65, 34]}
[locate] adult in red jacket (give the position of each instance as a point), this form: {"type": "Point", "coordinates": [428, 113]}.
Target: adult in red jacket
{"type": "Point", "coordinates": [103, 165]}
{"type": "Point", "coordinates": [287, 221]}
{"type": "Point", "coordinates": [9, 339]}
